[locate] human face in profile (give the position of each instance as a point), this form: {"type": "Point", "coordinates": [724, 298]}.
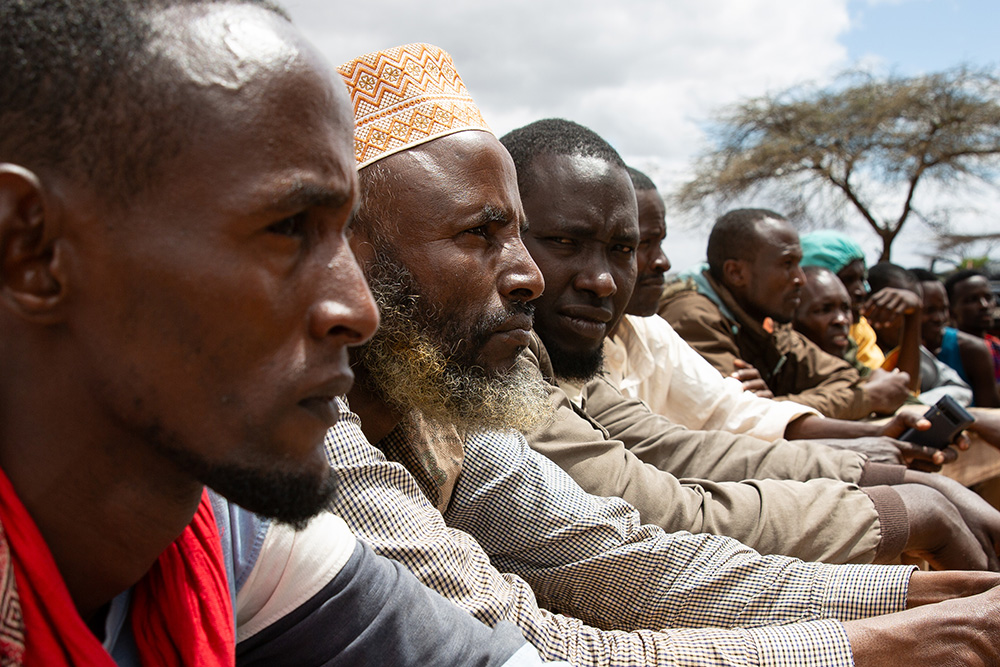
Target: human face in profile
{"type": "Point", "coordinates": [218, 305]}
{"type": "Point", "coordinates": [772, 280]}
{"type": "Point", "coordinates": [455, 225]}
{"type": "Point", "coordinates": [651, 262]}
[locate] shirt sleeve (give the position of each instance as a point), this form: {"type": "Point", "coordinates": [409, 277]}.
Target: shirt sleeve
{"type": "Point", "coordinates": [819, 519]}
{"type": "Point", "coordinates": [687, 390]}
{"type": "Point", "coordinates": [684, 580]}
{"type": "Point", "coordinates": [384, 506]}
{"type": "Point", "coordinates": [717, 455]}
{"type": "Point", "coordinates": [820, 380]}
{"type": "Point", "coordinates": [320, 597]}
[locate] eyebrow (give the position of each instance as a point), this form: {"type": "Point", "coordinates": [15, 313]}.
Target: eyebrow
{"type": "Point", "coordinates": [631, 239]}
{"type": "Point", "coordinates": [307, 195]}
{"type": "Point", "coordinates": [583, 231]}
{"type": "Point", "coordinates": [495, 214]}
{"type": "Point", "coordinates": [490, 213]}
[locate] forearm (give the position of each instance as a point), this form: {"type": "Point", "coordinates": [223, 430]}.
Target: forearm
{"type": "Point", "coordinates": [813, 427]}
{"type": "Point", "coordinates": [930, 587]}
{"type": "Point", "coordinates": [959, 632]}
{"type": "Point", "coordinates": [909, 350]}
{"type": "Point", "coordinates": [714, 455]}
{"type": "Point", "coordinates": [838, 400]}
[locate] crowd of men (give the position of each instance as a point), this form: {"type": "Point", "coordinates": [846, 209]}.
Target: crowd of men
{"type": "Point", "coordinates": [305, 365]}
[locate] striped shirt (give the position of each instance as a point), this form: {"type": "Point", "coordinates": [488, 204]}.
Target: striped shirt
{"type": "Point", "coordinates": [584, 580]}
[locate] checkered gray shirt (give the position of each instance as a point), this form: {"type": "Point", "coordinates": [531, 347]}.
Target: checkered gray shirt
{"type": "Point", "coordinates": [613, 581]}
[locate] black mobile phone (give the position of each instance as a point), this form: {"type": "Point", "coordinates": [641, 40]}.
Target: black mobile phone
{"type": "Point", "coordinates": [947, 418]}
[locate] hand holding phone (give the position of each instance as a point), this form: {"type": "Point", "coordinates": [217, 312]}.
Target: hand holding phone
{"type": "Point", "coordinates": [947, 419]}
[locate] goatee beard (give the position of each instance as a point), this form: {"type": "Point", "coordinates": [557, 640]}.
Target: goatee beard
{"type": "Point", "coordinates": [575, 366]}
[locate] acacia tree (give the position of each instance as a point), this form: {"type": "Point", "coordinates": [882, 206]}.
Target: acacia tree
{"type": "Point", "coordinates": [866, 142]}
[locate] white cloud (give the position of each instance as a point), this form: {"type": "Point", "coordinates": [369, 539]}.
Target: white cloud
{"type": "Point", "coordinates": [645, 74]}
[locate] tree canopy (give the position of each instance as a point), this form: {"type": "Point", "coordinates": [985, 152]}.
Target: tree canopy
{"type": "Point", "coordinates": [867, 142]}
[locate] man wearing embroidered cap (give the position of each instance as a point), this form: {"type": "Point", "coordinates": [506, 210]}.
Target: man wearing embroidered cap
{"type": "Point", "coordinates": [438, 235]}
{"type": "Point", "coordinates": [178, 297]}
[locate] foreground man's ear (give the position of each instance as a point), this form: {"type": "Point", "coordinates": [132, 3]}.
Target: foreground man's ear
{"type": "Point", "coordinates": [31, 281]}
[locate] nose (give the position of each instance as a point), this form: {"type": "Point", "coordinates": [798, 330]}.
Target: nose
{"type": "Point", "coordinates": [519, 279]}
{"type": "Point", "coordinates": [661, 262]}
{"type": "Point", "coordinates": [842, 317]}
{"type": "Point", "coordinates": [799, 276]}
{"type": "Point", "coordinates": [346, 311]}
{"type": "Point", "coordinates": [595, 277]}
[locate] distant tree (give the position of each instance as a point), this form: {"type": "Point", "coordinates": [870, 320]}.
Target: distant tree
{"type": "Point", "coordinates": [865, 142]}
{"type": "Point", "coordinates": [965, 251]}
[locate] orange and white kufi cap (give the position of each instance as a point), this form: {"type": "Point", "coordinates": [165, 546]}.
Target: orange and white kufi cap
{"type": "Point", "coordinates": [404, 97]}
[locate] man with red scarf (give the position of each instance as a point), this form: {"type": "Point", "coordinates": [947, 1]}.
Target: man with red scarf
{"type": "Point", "coordinates": [177, 297]}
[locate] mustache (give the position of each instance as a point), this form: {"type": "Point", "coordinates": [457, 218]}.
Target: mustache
{"type": "Point", "coordinates": [466, 339]}
{"type": "Point", "coordinates": [489, 324]}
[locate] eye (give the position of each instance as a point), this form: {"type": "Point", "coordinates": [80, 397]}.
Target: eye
{"type": "Point", "coordinates": [293, 226]}
{"type": "Point", "coordinates": [623, 249]}
{"type": "Point", "coordinates": [481, 231]}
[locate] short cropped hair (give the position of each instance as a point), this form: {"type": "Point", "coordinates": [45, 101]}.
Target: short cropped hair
{"type": "Point", "coordinates": [925, 276]}
{"type": "Point", "coordinates": [81, 91]}
{"type": "Point", "coordinates": [553, 136]}
{"type": "Point", "coordinates": [887, 274]}
{"type": "Point", "coordinates": [640, 181]}
{"type": "Point", "coordinates": [734, 236]}
{"type": "Point", "coordinates": [960, 276]}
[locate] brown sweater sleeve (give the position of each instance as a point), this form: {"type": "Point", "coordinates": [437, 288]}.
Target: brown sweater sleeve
{"type": "Point", "coordinates": [820, 380]}
{"type": "Point", "coordinates": [894, 524]}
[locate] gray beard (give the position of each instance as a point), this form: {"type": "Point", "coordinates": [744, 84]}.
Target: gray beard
{"type": "Point", "coordinates": [423, 359]}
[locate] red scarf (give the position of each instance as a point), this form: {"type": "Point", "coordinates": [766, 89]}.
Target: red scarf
{"type": "Point", "coordinates": [181, 610]}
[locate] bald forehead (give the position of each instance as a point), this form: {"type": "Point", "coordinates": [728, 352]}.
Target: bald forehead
{"type": "Point", "coordinates": [822, 281]}
{"type": "Point", "coordinates": [225, 46]}
{"type": "Point", "coordinates": [228, 49]}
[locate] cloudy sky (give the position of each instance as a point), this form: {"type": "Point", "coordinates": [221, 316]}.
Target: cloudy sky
{"type": "Point", "coordinates": [647, 74]}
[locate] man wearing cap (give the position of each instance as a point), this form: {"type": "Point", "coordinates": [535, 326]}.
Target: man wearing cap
{"type": "Point", "coordinates": [738, 306]}
{"type": "Point", "coordinates": [438, 235]}
{"type": "Point", "coordinates": [178, 296]}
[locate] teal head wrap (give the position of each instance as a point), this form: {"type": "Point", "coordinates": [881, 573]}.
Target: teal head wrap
{"type": "Point", "coordinates": [830, 250]}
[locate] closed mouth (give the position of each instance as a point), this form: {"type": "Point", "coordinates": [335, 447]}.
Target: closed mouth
{"type": "Point", "coordinates": [324, 408]}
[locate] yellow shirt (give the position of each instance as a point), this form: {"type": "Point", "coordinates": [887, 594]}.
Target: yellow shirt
{"type": "Point", "coordinates": [869, 353]}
